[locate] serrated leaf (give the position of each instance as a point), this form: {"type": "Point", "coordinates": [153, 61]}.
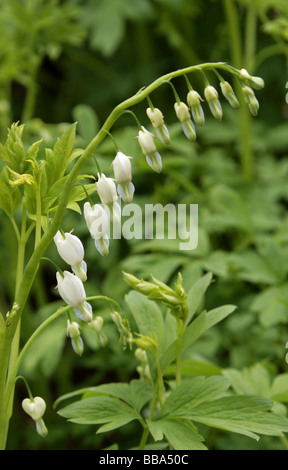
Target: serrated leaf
{"type": "Point", "coordinates": [191, 393]}
{"type": "Point", "coordinates": [110, 411]}
{"type": "Point", "coordinates": [181, 435]}
{"type": "Point", "coordinates": [248, 415]}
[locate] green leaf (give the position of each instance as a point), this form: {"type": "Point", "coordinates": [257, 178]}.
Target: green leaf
{"type": "Point", "coordinates": [196, 293]}
{"type": "Point", "coordinates": [110, 411]}
{"type": "Point", "coordinates": [136, 393]}
{"type": "Point", "coordinates": [191, 393]}
{"type": "Point", "coordinates": [246, 415]}
{"type": "Point", "coordinates": [218, 314]}
{"type": "Point", "coordinates": [10, 198]}
{"type": "Point", "coordinates": [279, 389]}
{"type": "Point", "coordinates": [148, 316]}
{"type": "Point", "coordinates": [88, 122]}
{"type": "Point", "coordinates": [181, 435]}
{"type": "Point", "coordinates": [59, 157]}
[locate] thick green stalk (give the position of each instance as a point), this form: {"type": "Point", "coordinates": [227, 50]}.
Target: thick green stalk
{"type": "Point", "coordinates": [180, 331]}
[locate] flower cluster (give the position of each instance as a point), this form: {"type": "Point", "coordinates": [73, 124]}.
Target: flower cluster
{"type": "Point", "coordinates": [71, 288]}
{"type": "Point", "coordinates": [191, 113]}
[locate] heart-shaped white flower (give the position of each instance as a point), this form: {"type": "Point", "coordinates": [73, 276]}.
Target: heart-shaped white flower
{"type": "Point", "coordinates": [34, 408]}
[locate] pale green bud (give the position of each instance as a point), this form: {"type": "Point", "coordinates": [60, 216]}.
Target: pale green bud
{"type": "Point", "coordinates": [97, 324]}
{"type": "Point", "coordinates": [157, 120]}
{"type": "Point", "coordinates": [183, 114]}
{"type": "Point", "coordinates": [229, 94]}
{"type": "Point", "coordinates": [255, 82]}
{"type": "Point", "coordinates": [211, 95]}
{"type": "Point", "coordinates": [194, 101]}
{"type": "Point", "coordinates": [141, 355]}
{"type": "Point", "coordinates": [251, 100]}
{"type": "Point", "coordinates": [73, 331]}
{"type": "Point", "coordinates": [148, 343]}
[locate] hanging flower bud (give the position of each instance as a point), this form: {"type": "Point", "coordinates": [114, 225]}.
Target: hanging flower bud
{"type": "Point", "coordinates": [73, 332]}
{"type": "Point", "coordinates": [72, 291]}
{"type": "Point", "coordinates": [194, 101]}
{"type": "Point", "coordinates": [146, 142]}
{"type": "Point", "coordinates": [183, 114]}
{"type": "Point", "coordinates": [251, 100]}
{"type": "Point", "coordinates": [71, 250]}
{"type": "Point", "coordinates": [106, 189]}
{"type": "Point", "coordinates": [255, 82]}
{"type": "Point", "coordinates": [122, 324]}
{"type": "Point", "coordinates": [211, 95]}
{"type": "Point", "coordinates": [98, 225]}
{"type": "Point", "coordinates": [157, 120]}
{"type": "Point", "coordinates": [97, 325]}
{"type": "Point", "coordinates": [35, 408]}
{"type": "Point", "coordinates": [123, 175]}
{"type": "Point", "coordinates": [229, 94]}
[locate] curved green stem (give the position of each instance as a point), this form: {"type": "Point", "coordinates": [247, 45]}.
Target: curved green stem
{"type": "Point", "coordinates": [12, 376]}
{"type": "Point", "coordinates": [180, 331]}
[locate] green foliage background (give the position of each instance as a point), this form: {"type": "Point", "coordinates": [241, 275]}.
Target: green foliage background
{"type": "Point", "coordinates": [66, 61]}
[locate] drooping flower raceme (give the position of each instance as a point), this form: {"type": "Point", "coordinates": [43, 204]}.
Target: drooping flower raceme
{"type": "Point", "coordinates": [71, 250]}
{"type": "Point", "coordinates": [97, 221]}
{"type": "Point", "coordinates": [107, 192]}
{"type": "Point", "coordinates": [71, 289]}
{"type": "Point", "coordinates": [148, 147]}
{"type": "Point", "coordinates": [157, 120]}
{"type": "Point", "coordinates": [123, 175]}
{"type": "Point", "coordinates": [35, 408]}
{"type": "Point", "coordinates": [183, 114]}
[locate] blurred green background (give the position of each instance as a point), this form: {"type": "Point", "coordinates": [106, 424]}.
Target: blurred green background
{"type": "Point", "coordinates": [66, 61]}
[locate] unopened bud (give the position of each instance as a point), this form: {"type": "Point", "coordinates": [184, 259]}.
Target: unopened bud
{"type": "Point", "coordinates": [73, 331]}
{"type": "Point", "coordinates": [193, 100]}
{"type": "Point", "coordinates": [183, 114]}
{"type": "Point", "coordinates": [251, 100]}
{"type": "Point", "coordinates": [255, 82]}
{"type": "Point", "coordinates": [211, 95]}
{"type": "Point", "coordinates": [229, 94]}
